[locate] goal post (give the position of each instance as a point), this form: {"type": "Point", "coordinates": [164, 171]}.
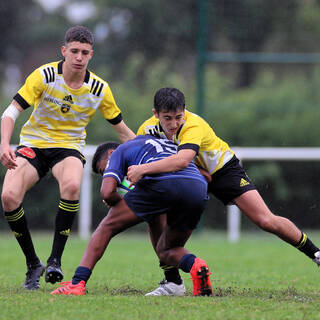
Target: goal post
{"type": "Point", "coordinates": [233, 213]}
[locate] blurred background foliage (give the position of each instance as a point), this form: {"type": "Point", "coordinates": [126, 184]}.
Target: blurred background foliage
{"type": "Point", "coordinates": [142, 45]}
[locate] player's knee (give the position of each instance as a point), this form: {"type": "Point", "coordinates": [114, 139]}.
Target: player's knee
{"type": "Point", "coordinates": [167, 256]}
{"type": "Point", "coordinates": [10, 200]}
{"type": "Point", "coordinates": [266, 223]}
{"type": "Point", "coordinates": [70, 189]}
{"type": "Point", "coordinates": [162, 255]}
{"type": "Point", "coordinates": [109, 227]}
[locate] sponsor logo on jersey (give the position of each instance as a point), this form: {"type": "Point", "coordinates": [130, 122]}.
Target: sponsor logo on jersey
{"type": "Point", "coordinates": [68, 98]}
{"type": "Point", "coordinates": [27, 152]}
{"type": "Point", "coordinates": [66, 107]}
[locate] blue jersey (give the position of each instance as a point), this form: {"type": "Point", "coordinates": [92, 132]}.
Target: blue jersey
{"type": "Point", "coordinates": [145, 149]}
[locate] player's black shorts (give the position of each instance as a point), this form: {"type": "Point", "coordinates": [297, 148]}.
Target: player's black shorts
{"type": "Point", "coordinates": [45, 159]}
{"type": "Point", "coordinates": [230, 182]}
{"type": "Point", "coordinates": [183, 200]}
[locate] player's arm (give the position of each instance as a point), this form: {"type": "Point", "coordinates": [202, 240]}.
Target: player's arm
{"type": "Point", "coordinates": [112, 113]}
{"type": "Point", "coordinates": [172, 163]}
{"type": "Point", "coordinates": [8, 157]}
{"type": "Point", "coordinates": [123, 131]}
{"type": "Point", "coordinates": [108, 191]}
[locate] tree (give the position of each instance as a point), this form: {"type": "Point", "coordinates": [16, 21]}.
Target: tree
{"type": "Point", "coordinates": [155, 29]}
{"type": "Point", "coordinates": [249, 24]}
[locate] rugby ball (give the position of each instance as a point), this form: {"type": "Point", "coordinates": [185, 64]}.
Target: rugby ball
{"type": "Point", "coordinates": [123, 188]}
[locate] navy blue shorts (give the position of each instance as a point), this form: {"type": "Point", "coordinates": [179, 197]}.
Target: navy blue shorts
{"type": "Point", "coordinates": [183, 200]}
{"type": "Point", "coordinates": [44, 159]}
{"type": "Point", "coordinates": [230, 182]}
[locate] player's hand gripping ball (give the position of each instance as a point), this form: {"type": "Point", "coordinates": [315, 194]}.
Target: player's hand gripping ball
{"type": "Point", "coordinates": [123, 188]}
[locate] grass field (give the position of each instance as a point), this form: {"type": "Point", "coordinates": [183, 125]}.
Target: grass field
{"type": "Point", "coordinates": [258, 278]}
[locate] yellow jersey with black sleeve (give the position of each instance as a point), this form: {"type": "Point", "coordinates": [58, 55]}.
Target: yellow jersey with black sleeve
{"type": "Point", "coordinates": [196, 134]}
{"type": "Point", "coordinates": [60, 113]}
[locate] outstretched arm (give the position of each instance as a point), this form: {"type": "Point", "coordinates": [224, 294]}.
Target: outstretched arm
{"type": "Point", "coordinates": [123, 131]}
{"type": "Point", "coordinates": [8, 157]}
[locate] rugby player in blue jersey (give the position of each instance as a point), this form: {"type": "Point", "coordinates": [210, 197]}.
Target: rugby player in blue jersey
{"type": "Point", "coordinates": [180, 195]}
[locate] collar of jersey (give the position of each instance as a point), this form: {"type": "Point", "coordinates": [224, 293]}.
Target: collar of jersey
{"type": "Point", "coordinates": [86, 78]}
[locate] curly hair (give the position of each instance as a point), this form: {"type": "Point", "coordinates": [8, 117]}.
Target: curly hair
{"type": "Point", "coordinates": [80, 34]}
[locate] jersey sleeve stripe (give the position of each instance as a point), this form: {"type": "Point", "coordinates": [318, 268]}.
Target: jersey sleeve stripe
{"type": "Point", "coordinates": [52, 73]}
{"type": "Point", "coordinates": [49, 74]}
{"type": "Point", "coordinates": [96, 87]}
{"type": "Point", "coordinates": [100, 89]}
{"type": "Point", "coordinates": [192, 146]}
{"type": "Point", "coordinates": [23, 103]}
{"type": "Point", "coordinates": [92, 84]}
{"type": "Point", "coordinates": [115, 120]}
{"type": "Point", "coordinates": [112, 175]}
{"type": "Point", "coordinates": [46, 75]}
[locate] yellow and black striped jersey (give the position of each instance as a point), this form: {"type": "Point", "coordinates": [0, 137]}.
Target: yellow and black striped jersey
{"type": "Point", "coordinates": [196, 134]}
{"type": "Point", "coordinates": [60, 113]}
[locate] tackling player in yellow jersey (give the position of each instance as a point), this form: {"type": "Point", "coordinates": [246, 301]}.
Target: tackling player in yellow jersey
{"type": "Point", "coordinates": [190, 131]}
{"type": "Point", "coordinates": [227, 180]}
{"type": "Point", "coordinates": [65, 96]}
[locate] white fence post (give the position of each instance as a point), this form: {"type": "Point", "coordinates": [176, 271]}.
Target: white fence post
{"type": "Point", "coordinates": [234, 223]}
{"type": "Point", "coordinates": [85, 214]}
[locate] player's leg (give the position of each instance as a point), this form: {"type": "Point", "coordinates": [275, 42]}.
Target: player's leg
{"type": "Point", "coordinates": [119, 218]}
{"type": "Point", "coordinates": [156, 227]}
{"type": "Point", "coordinates": [184, 212]}
{"type": "Point", "coordinates": [68, 172]}
{"type": "Point", "coordinates": [252, 204]}
{"type": "Point", "coordinates": [172, 277]}
{"type": "Point", "coordinates": [16, 183]}
{"type": "Point", "coordinates": [171, 251]}
{"type": "Point", "coordinates": [172, 282]}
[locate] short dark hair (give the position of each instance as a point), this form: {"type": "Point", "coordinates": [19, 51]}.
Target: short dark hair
{"type": "Point", "coordinates": [102, 152]}
{"type": "Point", "coordinates": [80, 34]}
{"type": "Point", "coordinates": [169, 99]}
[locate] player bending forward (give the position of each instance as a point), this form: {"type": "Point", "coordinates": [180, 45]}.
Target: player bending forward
{"type": "Point", "coordinates": [180, 195]}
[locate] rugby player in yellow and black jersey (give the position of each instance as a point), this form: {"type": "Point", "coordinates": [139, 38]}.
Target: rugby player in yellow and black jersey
{"type": "Point", "coordinates": [64, 96]}
{"type": "Point", "coordinates": [227, 180]}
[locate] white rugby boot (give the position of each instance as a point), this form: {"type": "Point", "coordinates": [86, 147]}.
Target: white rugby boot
{"type": "Point", "coordinates": [168, 289]}
{"type": "Point", "coordinates": [317, 258]}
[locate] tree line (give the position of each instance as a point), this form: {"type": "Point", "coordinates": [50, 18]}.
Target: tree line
{"type": "Point", "coordinates": [144, 45]}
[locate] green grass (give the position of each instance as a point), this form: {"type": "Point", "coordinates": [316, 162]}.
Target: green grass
{"type": "Point", "coordinates": [260, 277]}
